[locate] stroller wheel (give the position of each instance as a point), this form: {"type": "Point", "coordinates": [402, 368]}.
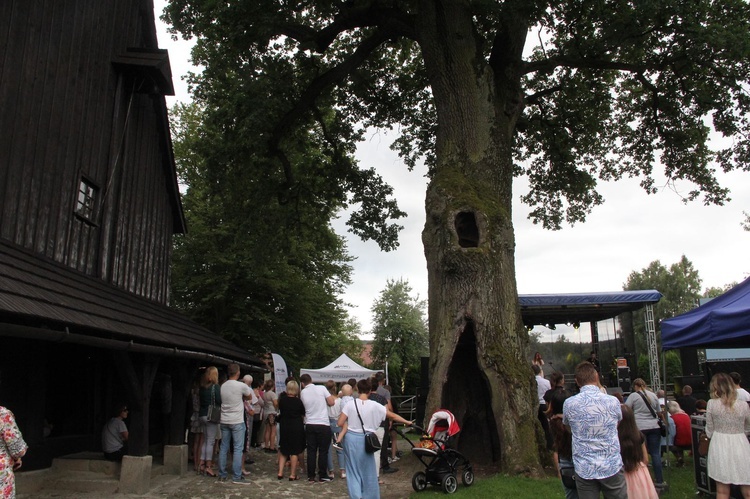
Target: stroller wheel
{"type": "Point", "coordinates": [450, 484]}
{"type": "Point", "coordinates": [467, 477]}
{"type": "Point", "coordinates": [419, 481]}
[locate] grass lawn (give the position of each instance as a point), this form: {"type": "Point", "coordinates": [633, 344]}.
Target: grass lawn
{"type": "Point", "coordinates": [681, 486]}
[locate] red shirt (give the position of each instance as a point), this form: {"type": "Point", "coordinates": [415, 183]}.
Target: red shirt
{"type": "Point", "coordinates": [683, 437]}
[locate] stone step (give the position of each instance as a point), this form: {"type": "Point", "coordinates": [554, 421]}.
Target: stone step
{"type": "Point", "coordinates": [86, 461]}
{"type": "Point", "coordinates": [89, 473]}
{"type": "Point", "coordinates": [82, 481]}
{"type": "Point", "coordinates": [156, 469]}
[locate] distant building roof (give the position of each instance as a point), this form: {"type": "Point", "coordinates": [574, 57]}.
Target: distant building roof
{"type": "Point", "coordinates": [366, 353]}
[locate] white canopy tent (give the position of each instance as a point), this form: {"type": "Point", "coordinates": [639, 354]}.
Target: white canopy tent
{"type": "Point", "coordinates": [341, 369]}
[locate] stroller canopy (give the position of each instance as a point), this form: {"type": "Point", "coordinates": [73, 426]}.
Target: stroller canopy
{"type": "Point", "coordinates": [443, 420]}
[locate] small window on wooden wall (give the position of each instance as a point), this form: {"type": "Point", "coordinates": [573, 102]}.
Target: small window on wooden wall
{"type": "Point", "coordinates": [88, 194]}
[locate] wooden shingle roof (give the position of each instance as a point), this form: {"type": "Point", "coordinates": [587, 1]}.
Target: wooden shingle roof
{"type": "Point", "coordinates": [42, 293]}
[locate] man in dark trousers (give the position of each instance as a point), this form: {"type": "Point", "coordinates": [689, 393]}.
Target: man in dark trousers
{"type": "Point", "coordinates": [316, 400]}
{"type": "Point", "coordinates": [385, 466]}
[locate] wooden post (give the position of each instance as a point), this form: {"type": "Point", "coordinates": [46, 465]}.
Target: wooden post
{"type": "Point", "coordinates": [137, 373]}
{"type": "Point", "coordinates": [181, 385]}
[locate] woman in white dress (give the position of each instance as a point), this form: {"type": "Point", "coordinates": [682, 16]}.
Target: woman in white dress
{"type": "Point", "coordinates": [727, 422]}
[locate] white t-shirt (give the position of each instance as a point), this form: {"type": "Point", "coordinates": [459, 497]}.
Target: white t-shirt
{"type": "Point", "coordinates": [257, 404]}
{"type": "Point", "coordinates": [112, 435]}
{"type": "Point", "coordinates": [345, 399]}
{"type": "Point", "coordinates": [316, 408]}
{"type": "Point", "coordinates": [542, 385]}
{"type": "Point", "coordinates": [232, 406]}
{"type": "Point", "coordinates": [334, 411]}
{"type": "Point", "coordinates": [742, 394]}
{"type": "Point", "coordinates": [372, 413]}
{"type": "Point", "coordinates": [268, 407]}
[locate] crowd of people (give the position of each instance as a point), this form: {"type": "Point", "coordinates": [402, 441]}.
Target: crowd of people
{"type": "Point", "coordinates": [304, 427]}
{"type": "Point", "coordinates": [602, 444]}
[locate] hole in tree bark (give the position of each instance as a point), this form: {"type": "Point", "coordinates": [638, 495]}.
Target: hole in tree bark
{"type": "Point", "coordinates": [467, 395]}
{"type": "Point", "coordinates": [466, 229]}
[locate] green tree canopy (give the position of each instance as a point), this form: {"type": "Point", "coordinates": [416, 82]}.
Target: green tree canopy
{"type": "Point", "coordinates": [715, 291]}
{"type": "Point", "coordinates": [263, 273]}
{"type": "Point", "coordinates": [679, 285]}
{"type": "Point", "coordinates": [614, 89]}
{"type": "Point", "coordinates": [400, 333]}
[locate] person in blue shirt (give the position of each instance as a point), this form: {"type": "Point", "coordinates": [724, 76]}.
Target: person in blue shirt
{"type": "Point", "coordinates": [593, 418]}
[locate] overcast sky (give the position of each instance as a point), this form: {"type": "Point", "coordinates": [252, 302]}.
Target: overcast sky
{"type": "Point", "coordinates": [628, 232]}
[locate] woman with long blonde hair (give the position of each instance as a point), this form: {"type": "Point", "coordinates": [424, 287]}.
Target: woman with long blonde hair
{"type": "Point", "coordinates": [210, 393]}
{"type": "Point", "coordinates": [727, 422]}
{"type": "Point", "coordinates": [292, 429]}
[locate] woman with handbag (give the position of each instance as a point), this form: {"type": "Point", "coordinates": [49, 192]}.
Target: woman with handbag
{"type": "Point", "coordinates": [210, 396]}
{"type": "Point", "coordinates": [727, 422]}
{"type": "Point", "coordinates": [645, 406]}
{"type": "Point", "coordinates": [362, 417]}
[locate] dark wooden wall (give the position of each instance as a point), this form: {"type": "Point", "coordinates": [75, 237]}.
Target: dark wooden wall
{"type": "Point", "coordinates": [67, 113]}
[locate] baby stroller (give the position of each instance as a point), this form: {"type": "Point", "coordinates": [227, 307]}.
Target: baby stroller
{"type": "Point", "coordinates": [434, 451]}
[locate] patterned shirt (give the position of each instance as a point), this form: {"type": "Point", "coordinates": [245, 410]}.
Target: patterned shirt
{"type": "Point", "coordinates": [593, 417]}
{"type": "Point", "coordinates": [12, 446]}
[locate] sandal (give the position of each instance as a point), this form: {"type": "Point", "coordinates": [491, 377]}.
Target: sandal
{"type": "Point", "coordinates": [281, 477]}
{"type": "Point", "coordinates": [210, 472]}
{"type": "Point", "coordinates": [293, 478]}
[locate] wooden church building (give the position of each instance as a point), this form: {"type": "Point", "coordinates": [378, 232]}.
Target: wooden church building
{"type": "Point", "coordinates": [89, 202]}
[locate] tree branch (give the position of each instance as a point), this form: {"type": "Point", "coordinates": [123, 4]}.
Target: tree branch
{"type": "Point", "coordinates": [307, 99]}
{"type": "Point", "coordinates": [375, 14]}
{"type": "Point", "coordinates": [534, 98]}
{"type": "Point", "coordinates": [548, 65]}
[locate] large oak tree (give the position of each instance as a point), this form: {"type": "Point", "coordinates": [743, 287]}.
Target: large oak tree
{"type": "Point", "coordinates": [615, 88]}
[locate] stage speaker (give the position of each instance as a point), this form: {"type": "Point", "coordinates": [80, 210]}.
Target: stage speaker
{"type": "Point", "coordinates": [689, 360]}
{"type": "Point", "coordinates": [623, 378]}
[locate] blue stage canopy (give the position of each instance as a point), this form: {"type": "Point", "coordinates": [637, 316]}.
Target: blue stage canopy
{"type": "Point", "coordinates": [723, 322]}
{"type": "Point", "coordinates": [582, 307]}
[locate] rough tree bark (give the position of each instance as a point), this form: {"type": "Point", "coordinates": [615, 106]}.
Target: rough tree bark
{"type": "Point", "coordinates": [477, 339]}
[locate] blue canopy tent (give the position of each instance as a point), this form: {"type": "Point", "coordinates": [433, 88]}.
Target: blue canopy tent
{"type": "Point", "coordinates": [724, 322]}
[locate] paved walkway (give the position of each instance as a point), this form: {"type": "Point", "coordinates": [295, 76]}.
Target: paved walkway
{"type": "Point", "coordinates": [263, 484]}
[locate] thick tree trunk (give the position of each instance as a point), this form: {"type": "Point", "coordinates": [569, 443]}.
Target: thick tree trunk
{"type": "Point", "coordinates": [477, 340]}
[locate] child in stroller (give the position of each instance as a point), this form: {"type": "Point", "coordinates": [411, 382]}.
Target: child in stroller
{"type": "Point", "coordinates": [435, 452]}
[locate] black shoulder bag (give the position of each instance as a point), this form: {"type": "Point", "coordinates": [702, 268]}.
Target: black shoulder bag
{"type": "Point", "coordinates": [214, 410]}
{"type": "Point", "coordinates": [372, 443]}
{"type": "Point", "coordinates": [662, 427]}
